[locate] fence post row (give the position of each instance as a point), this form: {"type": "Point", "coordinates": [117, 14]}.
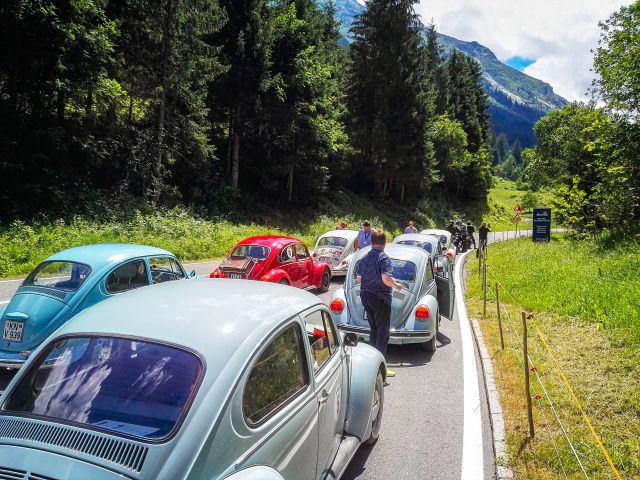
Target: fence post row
{"type": "Point", "coordinates": [527, 388]}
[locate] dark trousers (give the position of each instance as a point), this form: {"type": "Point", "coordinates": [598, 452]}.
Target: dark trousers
{"type": "Point", "coordinates": [379, 317]}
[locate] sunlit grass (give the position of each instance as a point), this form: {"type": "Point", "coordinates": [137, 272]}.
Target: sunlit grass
{"type": "Point", "coordinates": [585, 301]}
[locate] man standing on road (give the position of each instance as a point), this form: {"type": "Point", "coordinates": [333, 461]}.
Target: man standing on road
{"type": "Point", "coordinates": [364, 236]}
{"type": "Point", "coordinates": [483, 234]}
{"type": "Point", "coordinates": [410, 228]}
{"type": "Point", "coordinates": [376, 283]}
{"type": "Point", "coordinates": [470, 230]}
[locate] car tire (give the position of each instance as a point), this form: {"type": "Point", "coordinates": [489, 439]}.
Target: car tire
{"type": "Point", "coordinates": [377, 405]}
{"type": "Point", "coordinates": [284, 281]}
{"type": "Point", "coordinates": [430, 346]}
{"type": "Point", "coordinates": [325, 283]}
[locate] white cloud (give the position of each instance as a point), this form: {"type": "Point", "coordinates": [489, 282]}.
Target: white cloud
{"type": "Point", "coordinates": [558, 34]}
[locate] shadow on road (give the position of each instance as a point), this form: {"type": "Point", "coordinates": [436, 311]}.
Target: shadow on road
{"type": "Point", "coordinates": [358, 465]}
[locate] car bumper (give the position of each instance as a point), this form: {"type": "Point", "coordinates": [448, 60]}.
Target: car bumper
{"type": "Point", "coordinates": [396, 337]}
{"type": "Point", "coordinates": [12, 360]}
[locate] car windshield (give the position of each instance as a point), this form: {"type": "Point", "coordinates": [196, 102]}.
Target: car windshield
{"type": "Point", "coordinates": [61, 275]}
{"type": "Point", "coordinates": [125, 386]}
{"type": "Point", "coordinates": [417, 243]}
{"type": "Point", "coordinates": [251, 251]}
{"type": "Point", "coordinates": [403, 270]}
{"type": "Point", "coordinates": [339, 242]}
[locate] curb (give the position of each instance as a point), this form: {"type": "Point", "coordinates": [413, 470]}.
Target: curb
{"type": "Point", "coordinates": [503, 472]}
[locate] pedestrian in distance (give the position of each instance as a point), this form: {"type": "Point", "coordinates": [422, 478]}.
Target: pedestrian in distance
{"type": "Point", "coordinates": [341, 226]}
{"type": "Point", "coordinates": [364, 236]}
{"type": "Point", "coordinates": [410, 228]}
{"type": "Point", "coordinates": [483, 234]}
{"type": "Point", "coordinates": [470, 230]}
{"type": "Point", "coordinates": [376, 285]}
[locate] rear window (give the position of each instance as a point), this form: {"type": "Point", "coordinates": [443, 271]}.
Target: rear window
{"type": "Point", "coordinates": [250, 251]}
{"type": "Point", "coordinates": [66, 276]}
{"type": "Point", "coordinates": [339, 242]}
{"type": "Point", "coordinates": [125, 386]}
{"type": "Point", "coordinates": [416, 243]}
{"type": "Point", "coordinates": [403, 270]}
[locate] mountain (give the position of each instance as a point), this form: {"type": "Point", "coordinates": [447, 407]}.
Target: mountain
{"type": "Point", "coordinates": [516, 100]}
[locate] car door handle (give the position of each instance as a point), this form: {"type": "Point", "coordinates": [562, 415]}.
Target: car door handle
{"type": "Point", "coordinates": [324, 396]}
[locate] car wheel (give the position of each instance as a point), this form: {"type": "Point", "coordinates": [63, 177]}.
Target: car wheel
{"type": "Point", "coordinates": [430, 346]}
{"type": "Point", "coordinates": [326, 281]}
{"type": "Point", "coordinates": [377, 406]}
{"type": "Point", "coordinates": [284, 281]}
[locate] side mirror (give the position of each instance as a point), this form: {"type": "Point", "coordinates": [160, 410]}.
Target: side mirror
{"type": "Point", "coordinates": [351, 339]}
{"type": "Point", "coordinates": [192, 274]}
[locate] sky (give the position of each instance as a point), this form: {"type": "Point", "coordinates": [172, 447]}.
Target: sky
{"type": "Point", "coordinates": [547, 39]}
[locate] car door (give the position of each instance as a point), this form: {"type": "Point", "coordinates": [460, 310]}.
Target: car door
{"type": "Point", "coordinates": [446, 288]}
{"type": "Point", "coordinates": [305, 264]}
{"type": "Point", "coordinates": [330, 379]}
{"type": "Point", "coordinates": [289, 264]}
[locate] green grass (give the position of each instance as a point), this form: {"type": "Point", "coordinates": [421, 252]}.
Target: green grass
{"type": "Point", "coordinates": [585, 300]}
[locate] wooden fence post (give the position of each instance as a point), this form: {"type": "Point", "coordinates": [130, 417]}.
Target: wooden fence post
{"type": "Point", "coordinates": [499, 320]}
{"type": "Point", "coordinates": [527, 388]}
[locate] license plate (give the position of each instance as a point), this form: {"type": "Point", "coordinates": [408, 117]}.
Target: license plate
{"type": "Point", "coordinates": [326, 259]}
{"type": "Point", "coordinates": [13, 331]}
{"type": "Point", "coordinates": [235, 275]}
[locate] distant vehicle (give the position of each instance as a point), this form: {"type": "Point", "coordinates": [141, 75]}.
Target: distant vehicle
{"type": "Point", "coordinates": [274, 259]}
{"type": "Point", "coordinates": [72, 280]}
{"type": "Point", "coordinates": [446, 240]}
{"type": "Point", "coordinates": [336, 249]}
{"type": "Point", "coordinates": [206, 379]}
{"type": "Point", "coordinates": [430, 243]}
{"type": "Point", "coordinates": [416, 310]}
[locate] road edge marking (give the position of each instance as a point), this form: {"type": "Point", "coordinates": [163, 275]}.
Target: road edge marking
{"type": "Point", "coordinates": [472, 448]}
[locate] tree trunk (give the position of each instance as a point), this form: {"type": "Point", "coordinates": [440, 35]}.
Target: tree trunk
{"type": "Point", "coordinates": [130, 108]}
{"type": "Point", "coordinates": [230, 143]}
{"type": "Point", "coordinates": [235, 161]}
{"type": "Point", "coordinates": [290, 184]}
{"type": "Point", "coordinates": [88, 105]}
{"type": "Point", "coordinates": [402, 194]}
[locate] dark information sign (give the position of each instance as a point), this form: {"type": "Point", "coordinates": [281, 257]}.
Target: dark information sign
{"type": "Point", "coordinates": [541, 224]}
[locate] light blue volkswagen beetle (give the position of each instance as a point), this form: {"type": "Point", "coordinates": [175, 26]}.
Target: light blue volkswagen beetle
{"type": "Point", "coordinates": [72, 280]}
{"type": "Point", "coordinates": [206, 379]}
{"type": "Point", "coordinates": [415, 311]}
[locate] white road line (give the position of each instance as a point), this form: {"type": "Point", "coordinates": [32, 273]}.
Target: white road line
{"type": "Point", "coordinates": [472, 452]}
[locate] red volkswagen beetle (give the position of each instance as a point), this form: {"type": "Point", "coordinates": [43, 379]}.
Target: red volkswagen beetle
{"type": "Point", "coordinates": [275, 259]}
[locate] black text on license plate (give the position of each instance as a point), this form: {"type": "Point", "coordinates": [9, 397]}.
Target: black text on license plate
{"type": "Point", "coordinates": [13, 331]}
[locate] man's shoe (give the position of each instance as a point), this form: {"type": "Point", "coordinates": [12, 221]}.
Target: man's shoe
{"type": "Point", "coordinates": [390, 373]}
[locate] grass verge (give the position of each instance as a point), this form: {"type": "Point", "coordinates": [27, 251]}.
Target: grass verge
{"type": "Point", "coordinates": [585, 303]}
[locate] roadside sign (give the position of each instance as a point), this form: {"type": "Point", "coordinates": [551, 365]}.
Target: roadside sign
{"type": "Point", "coordinates": [541, 225]}
{"type": "Point", "coordinates": [517, 217]}
{"type": "Point", "coordinates": [517, 208]}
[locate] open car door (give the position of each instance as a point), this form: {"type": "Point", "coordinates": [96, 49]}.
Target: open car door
{"type": "Point", "coordinates": [446, 288]}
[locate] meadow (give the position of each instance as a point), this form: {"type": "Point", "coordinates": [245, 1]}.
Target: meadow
{"type": "Point", "coordinates": [584, 298]}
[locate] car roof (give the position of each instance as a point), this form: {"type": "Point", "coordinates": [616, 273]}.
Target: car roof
{"type": "Point", "coordinates": [420, 237]}
{"type": "Point", "coordinates": [414, 254]}
{"type": "Point", "coordinates": [101, 255]}
{"type": "Point", "coordinates": [215, 317]}
{"type": "Point", "coordinates": [269, 240]}
{"type": "Point", "coordinates": [348, 234]}
{"type": "Point", "coordinates": [436, 231]}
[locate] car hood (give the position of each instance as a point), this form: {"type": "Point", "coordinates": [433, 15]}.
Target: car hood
{"type": "Point", "coordinates": [41, 314]}
{"type": "Point", "coordinates": [32, 463]}
{"type": "Point", "coordinates": [402, 304]}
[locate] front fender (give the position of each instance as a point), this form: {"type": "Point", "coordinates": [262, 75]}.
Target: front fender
{"type": "Point", "coordinates": [366, 362]}
{"type": "Point", "coordinates": [260, 472]}
{"type": "Point", "coordinates": [276, 275]}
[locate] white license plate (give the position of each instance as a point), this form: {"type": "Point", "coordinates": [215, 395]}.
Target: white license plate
{"type": "Point", "coordinates": [13, 331]}
{"type": "Point", "coordinates": [235, 275]}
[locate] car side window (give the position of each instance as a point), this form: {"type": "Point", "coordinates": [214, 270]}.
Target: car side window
{"type": "Point", "coordinates": [277, 376]}
{"type": "Point", "coordinates": [127, 277]}
{"type": "Point", "coordinates": [322, 337]}
{"type": "Point", "coordinates": [302, 252]}
{"type": "Point", "coordinates": [442, 269]}
{"type": "Point", "coordinates": [164, 269]}
{"type": "Point", "coordinates": [428, 275]}
{"type": "Point", "coordinates": [287, 255]}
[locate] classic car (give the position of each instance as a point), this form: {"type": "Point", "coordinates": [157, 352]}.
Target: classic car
{"type": "Point", "coordinates": [206, 379]}
{"type": "Point", "coordinates": [428, 293]}
{"type": "Point", "coordinates": [336, 249]}
{"type": "Point", "coordinates": [283, 260]}
{"type": "Point", "coordinates": [72, 280]}
{"type": "Point", "coordinates": [446, 239]}
{"type": "Point", "coordinates": [429, 243]}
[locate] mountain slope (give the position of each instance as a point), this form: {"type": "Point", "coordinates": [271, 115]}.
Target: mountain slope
{"type": "Point", "coordinates": [516, 100]}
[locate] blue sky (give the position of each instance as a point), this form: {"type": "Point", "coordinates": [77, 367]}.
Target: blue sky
{"type": "Point", "coordinates": [547, 39]}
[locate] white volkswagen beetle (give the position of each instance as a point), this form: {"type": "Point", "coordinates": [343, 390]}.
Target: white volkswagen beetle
{"type": "Point", "coordinates": [446, 240]}
{"type": "Point", "coordinates": [336, 248]}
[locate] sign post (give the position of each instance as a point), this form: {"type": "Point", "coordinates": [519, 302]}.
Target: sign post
{"type": "Point", "coordinates": [517, 218]}
{"type": "Point", "coordinates": [541, 225]}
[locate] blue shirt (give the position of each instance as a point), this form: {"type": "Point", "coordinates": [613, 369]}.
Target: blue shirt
{"type": "Point", "coordinates": [411, 230]}
{"type": "Point", "coordinates": [364, 238]}
{"type": "Point", "coordinates": [370, 268]}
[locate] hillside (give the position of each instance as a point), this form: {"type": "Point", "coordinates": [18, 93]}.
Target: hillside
{"type": "Point", "coordinates": [517, 100]}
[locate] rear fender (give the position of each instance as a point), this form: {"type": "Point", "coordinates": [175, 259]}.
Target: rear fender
{"type": "Point", "coordinates": [276, 275]}
{"type": "Point", "coordinates": [366, 362]}
{"type": "Point", "coordinates": [260, 472]}
{"type": "Point", "coordinates": [427, 324]}
{"type": "Point", "coordinates": [318, 269]}
{"type": "Point", "coordinates": [340, 318]}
